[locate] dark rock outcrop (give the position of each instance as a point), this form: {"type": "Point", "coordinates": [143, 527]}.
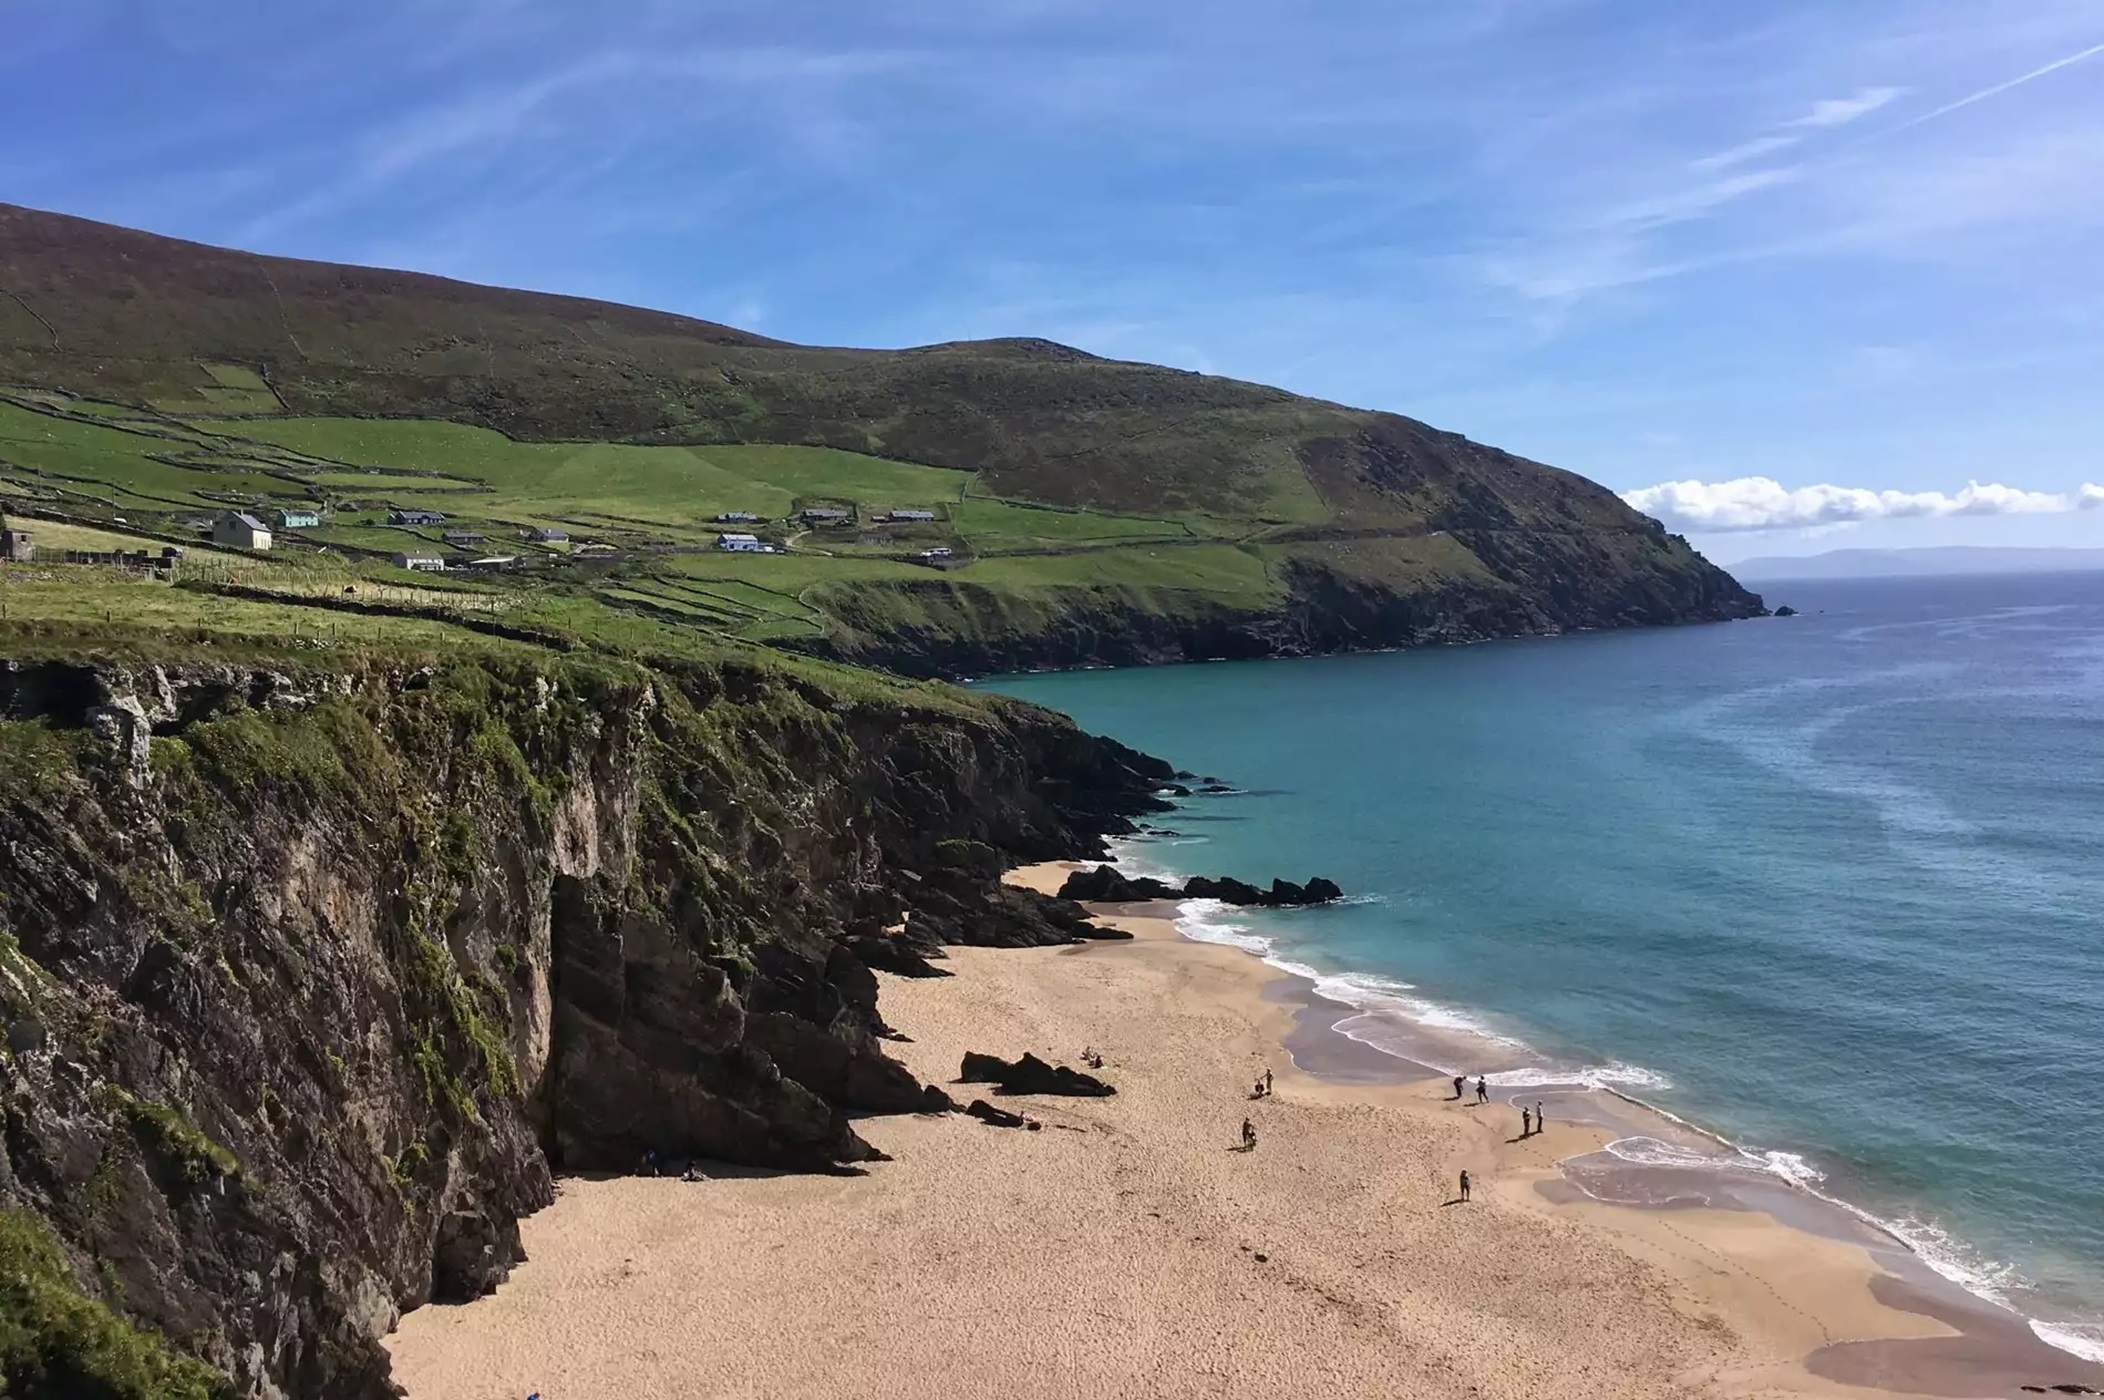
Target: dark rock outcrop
{"type": "Point", "coordinates": [1105, 885]}
{"type": "Point", "coordinates": [1030, 1075]}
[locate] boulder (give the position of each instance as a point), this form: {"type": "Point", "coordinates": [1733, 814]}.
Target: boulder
{"type": "Point", "coordinates": [1226, 889]}
{"type": "Point", "coordinates": [1105, 885]}
{"type": "Point", "coordinates": [894, 955]}
{"type": "Point", "coordinates": [997, 1117]}
{"type": "Point", "coordinates": [1030, 1075]}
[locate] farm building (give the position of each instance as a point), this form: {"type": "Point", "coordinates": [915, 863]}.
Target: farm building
{"type": "Point", "coordinates": [548, 534]}
{"type": "Point", "coordinates": [823, 515]}
{"type": "Point", "coordinates": [461, 539]}
{"type": "Point", "coordinates": [128, 559]}
{"type": "Point", "coordinates": [422, 563]}
{"type": "Point", "coordinates": [737, 517]}
{"type": "Point", "coordinates": [739, 544]}
{"type": "Point", "coordinates": [912, 514]}
{"type": "Point", "coordinates": [416, 517]}
{"type": "Point", "coordinates": [298, 519]}
{"type": "Point", "coordinates": [240, 530]}
{"type": "Point", "coordinates": [16, 545]}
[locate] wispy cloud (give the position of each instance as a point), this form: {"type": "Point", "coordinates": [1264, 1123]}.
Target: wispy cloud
{"type": "Point", "coordinates": [1825, 114]}
{"type": "Point", "coordinates": [1840, 111]}
{"type": "Point", "coordinates": [1763, 503]}
{"type": "Point", "coordinates": [1679, 206]}
{"type": "Point", "coordinates": [490, 120]}
{"type": "Point", "coordinates": [1745, 151]}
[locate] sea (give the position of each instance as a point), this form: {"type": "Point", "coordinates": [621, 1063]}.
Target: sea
{"type": "Point", "coordinates": [1828, 887]}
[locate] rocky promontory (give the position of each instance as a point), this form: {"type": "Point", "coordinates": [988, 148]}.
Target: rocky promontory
{"type": "Point", "coordinates": [1105, 885]}
{"type": "Point", "coordinates": [313, 975]}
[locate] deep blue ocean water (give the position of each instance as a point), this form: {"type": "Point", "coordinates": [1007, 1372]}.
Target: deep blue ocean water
{"type": "Point", "coordinates": [1831, 886]}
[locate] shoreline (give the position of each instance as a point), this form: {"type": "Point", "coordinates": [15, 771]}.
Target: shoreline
{"type": "Point", "coordinates": [1985, 1347]}
{"type": "Point", "coordinates": [1126, 1249]}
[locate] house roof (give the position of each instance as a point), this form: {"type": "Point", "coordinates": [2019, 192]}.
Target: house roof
{"type": "Point", "coordinates": [244, 518]}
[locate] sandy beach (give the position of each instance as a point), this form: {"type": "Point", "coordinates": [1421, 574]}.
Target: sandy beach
{"type": "Point", "coordinates": [1127, 1249]}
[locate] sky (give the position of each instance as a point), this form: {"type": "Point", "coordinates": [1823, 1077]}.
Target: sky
{"type": "Point", "coordinates": [1792, 276]}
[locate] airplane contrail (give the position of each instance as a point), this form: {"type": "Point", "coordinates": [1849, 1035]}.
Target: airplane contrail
{"type": "Point", "coordinates": [1984, 93]}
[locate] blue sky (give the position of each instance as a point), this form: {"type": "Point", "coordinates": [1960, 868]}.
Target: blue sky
{"type": "Point", "coordinates": [1853, 249]}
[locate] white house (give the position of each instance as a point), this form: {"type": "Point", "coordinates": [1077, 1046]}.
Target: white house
{"type": "Point", "coordinates": [913, 514]}
{"type": "Point", "coordinates": [238, 530]}
{"type": "Point", "coordinates": [739, 544]}
{"type": "Point", "coordinates": [421, 563]}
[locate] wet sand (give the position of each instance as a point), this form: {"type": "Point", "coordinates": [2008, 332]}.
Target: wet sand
{"type": "Point", "coordinates": [1127, 1248]}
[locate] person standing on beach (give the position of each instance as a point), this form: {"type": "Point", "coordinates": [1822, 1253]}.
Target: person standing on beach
{"type": "Point", "coordinates": [1267, 1081]}
{"type": "Point", "coordinates": [1526, 1123]}
{"type": "Point", "coordinates": [1464, 1185]}
{"type": "Point", "coordinates": [1249, 1136]}
{"type": "Point", "coordinates": [1541, 1119]}
{"type": "Point", "coordinates": [1482, 1089]}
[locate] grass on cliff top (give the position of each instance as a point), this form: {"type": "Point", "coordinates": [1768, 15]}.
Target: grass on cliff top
{"type": "Point", "coordinates": [79, 611]}
{"type": "Point", "coordinates": [57, 1341]}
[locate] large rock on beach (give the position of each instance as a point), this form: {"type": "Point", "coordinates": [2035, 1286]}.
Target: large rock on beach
{"type": "Point", "coordinates": [1030, 1075]}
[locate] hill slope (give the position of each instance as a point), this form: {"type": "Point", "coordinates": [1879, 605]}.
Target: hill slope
{"type": "Point", "coordinates": [1103, 510]}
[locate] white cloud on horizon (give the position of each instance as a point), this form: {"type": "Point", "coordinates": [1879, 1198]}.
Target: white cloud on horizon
{"type": "Point", "coordinates": [1763, 503]}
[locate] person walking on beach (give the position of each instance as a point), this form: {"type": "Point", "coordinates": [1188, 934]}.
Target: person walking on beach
{"type": "Point", "coordinates": [1267, 1081]}
{"type": "Point", "coordinates": [1482, 1089]}
{"type": "Point", "coordinates": [1460, 1086]}
{"type": "Point", "coordinates": [1464, 1185]}
{"type": "Point", "coordinates": [1526, 1123]}
{"type": "Point", "coordinates": [1249, 1136]}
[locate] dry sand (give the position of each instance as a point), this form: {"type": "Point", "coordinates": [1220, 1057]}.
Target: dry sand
{"type": "Point", "coordinates": [1127, 1250]}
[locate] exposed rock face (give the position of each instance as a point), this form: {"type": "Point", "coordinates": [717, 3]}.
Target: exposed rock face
{"type": "Point", "coordinates": [1030, 1075]}
{"type": "Point", "coordinates": [1106, 885]}
{"type": "Point", "coordinates": [308, 980]}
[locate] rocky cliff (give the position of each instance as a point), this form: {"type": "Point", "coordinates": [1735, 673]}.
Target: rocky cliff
{"type": "Point", "coordinates": [312, 974]}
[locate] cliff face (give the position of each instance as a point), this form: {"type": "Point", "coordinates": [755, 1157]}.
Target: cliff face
{"type": "Point", "coordinates": [1543, 583]}
{"type": "Point", "coordinates": [311, 977]}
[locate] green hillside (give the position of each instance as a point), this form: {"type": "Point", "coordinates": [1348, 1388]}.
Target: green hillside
{"type": "Point", "coordinates": [1093, 510]}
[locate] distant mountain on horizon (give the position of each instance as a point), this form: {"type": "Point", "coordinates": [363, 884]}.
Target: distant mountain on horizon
{"type": "Point", "coordinates": [1926, 560]}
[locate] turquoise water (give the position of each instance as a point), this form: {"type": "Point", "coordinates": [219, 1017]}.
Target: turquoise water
{"type": "Point", "coordinates": [1829, 885]}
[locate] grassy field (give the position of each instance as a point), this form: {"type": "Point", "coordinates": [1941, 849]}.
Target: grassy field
{"type": "Point", "coordinates": [653, 503]}
{"type": "Point", "coordinates": [58, 536]}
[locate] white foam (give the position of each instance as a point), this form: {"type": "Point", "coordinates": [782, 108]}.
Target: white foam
{"type": "Point", "coordinates": [1615, 1075]}
{"type": "Point", "coordinates": [1209, 921]}
{"type": "Point", "coordinates": [2087, 1343]}
{"type": "Point", "coordinates": [1792, 1167]}
{"type": "Point", "coordinates": [1652, 1152]}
